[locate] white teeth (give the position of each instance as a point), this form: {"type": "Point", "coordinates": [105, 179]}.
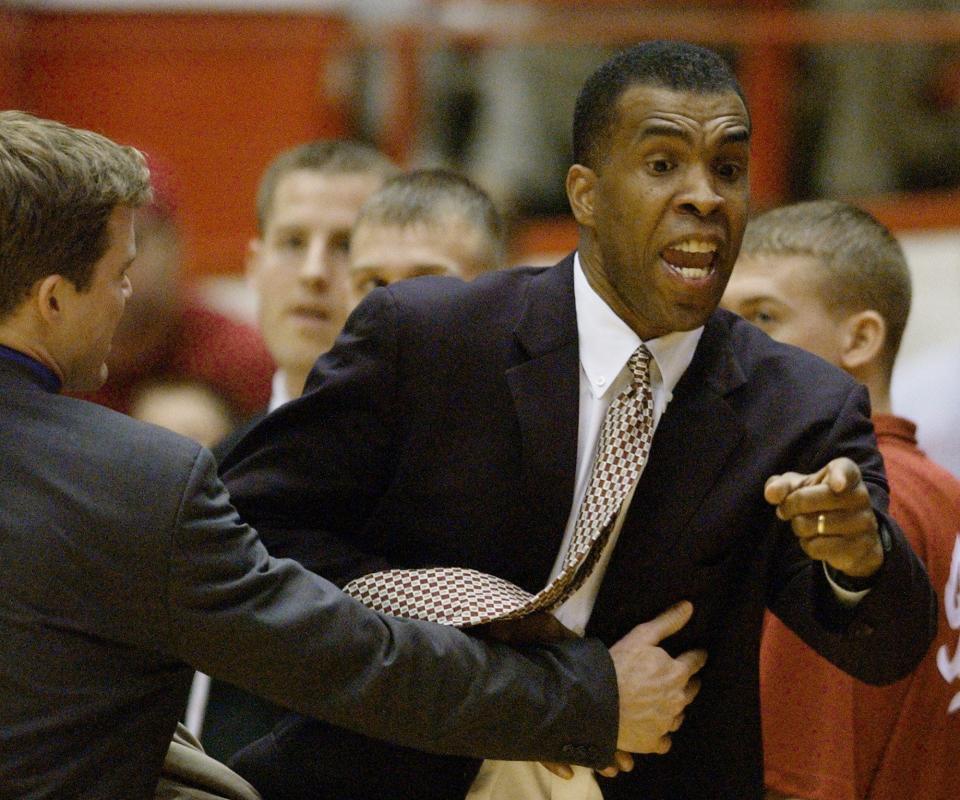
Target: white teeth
{"type": "Point", "coordinates": [690, 272]}
{"type": "Point", "coordinates": [695, 246]}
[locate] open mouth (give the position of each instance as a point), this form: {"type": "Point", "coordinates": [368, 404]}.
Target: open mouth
{"type": "Point", "coordinates": [694, 259]}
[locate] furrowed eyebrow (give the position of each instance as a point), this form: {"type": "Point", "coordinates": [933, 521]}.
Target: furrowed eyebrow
{"type": "Point", "coordinates": [287, 227]}
{"type": "Point", "coordinates": [734, 137]}
{"type": "Point", "coordinates": [664, 129]}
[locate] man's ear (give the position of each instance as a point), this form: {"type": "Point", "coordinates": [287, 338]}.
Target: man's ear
{"type": "Point", "coordinates": [48, 296]}
{"type": "Point", "coordinates": [581, 182]}
{"type": "Point", "coordinates": [864, 336]}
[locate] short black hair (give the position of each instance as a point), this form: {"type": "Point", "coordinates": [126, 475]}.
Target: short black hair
{"type": "Point", "coordinates": [679, 66]}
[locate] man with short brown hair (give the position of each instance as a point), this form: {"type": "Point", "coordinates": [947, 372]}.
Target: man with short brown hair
{"type": "Point", "coordinates": [425, 222]}
{"type": "Point", "coordinates": [298, 264]}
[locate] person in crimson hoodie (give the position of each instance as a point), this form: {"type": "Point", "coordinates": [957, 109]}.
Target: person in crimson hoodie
{"type": "Point", "coordinates": [170, 339]}
{"type": "Point", "coordinates": [829, 278]}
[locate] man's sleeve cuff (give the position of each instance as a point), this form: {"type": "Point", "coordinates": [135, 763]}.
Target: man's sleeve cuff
{"type": "Point", "coordinates": [849, 589]}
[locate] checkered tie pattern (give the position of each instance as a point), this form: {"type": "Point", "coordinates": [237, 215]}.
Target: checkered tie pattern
{"type": "Point", "coordinates": [464, 597]}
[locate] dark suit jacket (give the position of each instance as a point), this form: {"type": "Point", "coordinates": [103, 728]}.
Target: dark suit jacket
{"type": "Point", "coordinates": [123, 561]}
{"type": "Point", "coordinates": [442, 429]}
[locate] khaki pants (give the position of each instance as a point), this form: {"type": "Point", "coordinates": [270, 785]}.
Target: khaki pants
{"type": "Point", "coordinates": [190, 774]}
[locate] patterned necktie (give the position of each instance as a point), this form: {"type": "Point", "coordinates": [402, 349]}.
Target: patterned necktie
{"type": "Point", "coordinates": [465, 597]}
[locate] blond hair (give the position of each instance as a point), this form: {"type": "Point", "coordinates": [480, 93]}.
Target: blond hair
{"type": "Point", "coordinates": [862, 263]}
{"type": "Point", "coordinates": [326, 156]}
{"type": "Point", "coordinates": [432, 197]}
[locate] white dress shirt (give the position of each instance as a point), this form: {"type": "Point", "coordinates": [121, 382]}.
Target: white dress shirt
{"type": "Point", "coordinates": [278, 391]}
{"type": "Point", "coordinates": [606, 343]}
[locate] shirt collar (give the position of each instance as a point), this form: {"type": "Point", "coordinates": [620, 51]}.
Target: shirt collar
{"type": "Point", "coordinates": [47, 377]}
{"type": "Point", "coordinates": [279, 394]}
{"type": "Point", "coordinates": [607, 342]}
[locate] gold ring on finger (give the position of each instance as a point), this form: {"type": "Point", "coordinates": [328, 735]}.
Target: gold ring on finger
{"type": "Point", "coordinates": [821, 524]}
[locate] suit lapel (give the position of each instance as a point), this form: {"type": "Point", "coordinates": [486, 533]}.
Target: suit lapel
{"type": "Point", "coordinates": [695, 437]}
{"type": "Point", "coordinates": [546, 391]}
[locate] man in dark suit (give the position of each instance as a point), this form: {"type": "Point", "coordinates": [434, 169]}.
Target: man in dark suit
{"type": "Point", "coordinates": [124, 560]}
{"type": "Point", "coordinates": [456, 424]}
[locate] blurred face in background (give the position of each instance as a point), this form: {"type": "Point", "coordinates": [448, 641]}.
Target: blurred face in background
{"type": "Point", "coordinates": [154, 308]}
{"type": "Point", "coordinates": [384, 254]}
{"type": "Point", "coordinates": [299, 267]}
{"type": "Point", "coordinates": [783, 295]}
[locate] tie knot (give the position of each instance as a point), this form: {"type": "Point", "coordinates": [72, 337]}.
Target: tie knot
{"type": "Point", "coordinates": [639, 363]}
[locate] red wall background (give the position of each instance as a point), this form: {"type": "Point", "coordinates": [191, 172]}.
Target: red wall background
{"type": "Point", "coordinates": [212, 97]}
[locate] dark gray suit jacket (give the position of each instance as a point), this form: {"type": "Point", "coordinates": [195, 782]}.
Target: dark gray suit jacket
{"type": "Point", "coordinates": [123, 561]}
{"type": "Point", "coordinates": [442, 429]}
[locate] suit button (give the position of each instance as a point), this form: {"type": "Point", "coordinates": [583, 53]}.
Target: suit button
{"type": "Point", "coordinates": [577, 753]}
{"type": "Point", "coordinates": [862, 631]}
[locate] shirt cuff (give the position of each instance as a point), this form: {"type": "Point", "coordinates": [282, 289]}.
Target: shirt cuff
{"type": "Point", "coordinates": [850, 590]}
{"type": "Point", "coordinates": [846, 597]}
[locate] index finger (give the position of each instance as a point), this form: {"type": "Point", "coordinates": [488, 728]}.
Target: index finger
{"type": "Point", "coordinates": [622, 762]}
{"type": "Point", "coordinates": [564, 771]}
{"type": "Point", "coordinates": [779, 487]}
{"type": "Point", "coordinates": [839, 476]}
{"type": "Point", "coordinates": [663, 625]}
{"type": "Point", "coordinates": [842, 475]}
